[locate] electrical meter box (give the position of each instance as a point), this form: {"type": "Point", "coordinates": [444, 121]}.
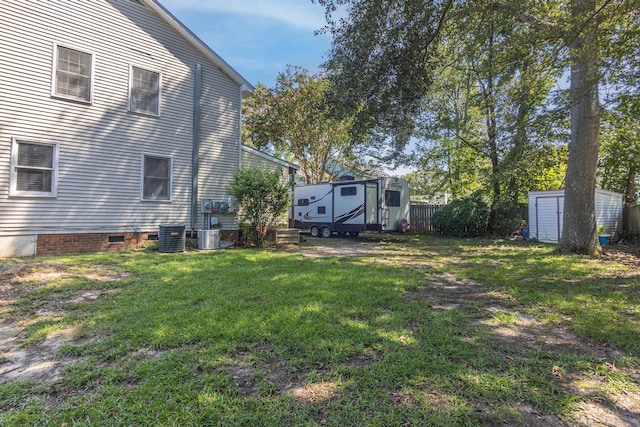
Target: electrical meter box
{"type": "Point", "coordinates": [206, 206]}
{"type": "Point", "coordinates": [233, 204]}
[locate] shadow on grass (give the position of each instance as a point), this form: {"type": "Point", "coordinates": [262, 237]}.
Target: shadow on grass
{"type": "Point", "coordinates": [252, 337]}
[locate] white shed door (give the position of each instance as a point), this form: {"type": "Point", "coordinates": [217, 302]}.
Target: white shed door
{"type": "Point", "coordinates": [549, 212]}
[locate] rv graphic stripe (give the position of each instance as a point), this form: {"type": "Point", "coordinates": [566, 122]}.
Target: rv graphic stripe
{"type": "Point", "coordinates": [321, 198]}
{"type": "Point", "coordinates": [350, 215]}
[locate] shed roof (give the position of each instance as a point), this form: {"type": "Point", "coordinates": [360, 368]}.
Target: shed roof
{"type": "Point", "coordinates": [561, 192]}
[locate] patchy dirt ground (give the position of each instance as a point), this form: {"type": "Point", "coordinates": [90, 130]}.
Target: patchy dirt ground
{"type": "Point", "coordinates": [600, 406]}
{"type": "Point", "coordinates": [36, 361]}
{"type": "Point", "coordinates": [603, 407]}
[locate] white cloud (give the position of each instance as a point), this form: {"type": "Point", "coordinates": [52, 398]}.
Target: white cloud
{"type": "Point", "coordinates": [295, 13]}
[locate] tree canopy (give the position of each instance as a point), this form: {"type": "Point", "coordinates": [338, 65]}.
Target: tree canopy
{"type": "Point", "coordinates": [294, 119]}
{"type": "Point", "coordinates": [473, 82]}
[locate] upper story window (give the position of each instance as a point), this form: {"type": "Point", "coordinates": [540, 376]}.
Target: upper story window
{"type": "Point", "coordinates": [72, 74]}
{"type": "Point", "coordinates": [34, 169]}
{"type": "Point", "coordinates": [156, 177]}
{"type": "Point", "coordinates": [144, 91]}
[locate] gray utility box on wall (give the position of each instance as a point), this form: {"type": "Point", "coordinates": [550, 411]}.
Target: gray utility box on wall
{"type": "Point", "coordinates": [208, 239]}
{"type": "Point", "coordinates": [171, 238]}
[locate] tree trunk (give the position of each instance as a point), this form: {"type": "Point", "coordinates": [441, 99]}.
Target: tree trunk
{"type": "Point", "coordinates": [629, 186]}
{"type": "Point", "coordinates": [579, 234]}
{"type": "Point", "coordinates": [488, 94]}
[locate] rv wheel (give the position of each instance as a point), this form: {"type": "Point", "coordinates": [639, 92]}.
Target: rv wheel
{"type": "Point", "coordinates": [315, 232]}
{"type": "Point", "coordinates": [403, 225]}
{"type": "Point", "coordinates": [326, 232]}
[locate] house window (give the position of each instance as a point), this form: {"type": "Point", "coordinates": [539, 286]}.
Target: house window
{"type": "Point", "coordinates": [348, 191]}
{"type": "Point", "coordinates": [144, 91]}
{"type": "Point", "coordinates": [73, 74]}
{"type": "Point", "coordinates": [156, 178]}
{"type": "Point", "coordinates": [34, 168]}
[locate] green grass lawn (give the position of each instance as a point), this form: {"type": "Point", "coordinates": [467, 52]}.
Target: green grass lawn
{"type": "Point", "coordinates": [271, 338]}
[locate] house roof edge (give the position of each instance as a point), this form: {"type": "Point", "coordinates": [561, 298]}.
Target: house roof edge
{"type": "Point", "coordinates": [268, 157]}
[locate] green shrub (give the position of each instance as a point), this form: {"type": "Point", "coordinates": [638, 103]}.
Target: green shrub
{"type": "Point", "coordinates": [262, 199]}
{"type": "Point", "coordinates": [462, 217]}
{"type": "Point", "coordinates": [508, 219]}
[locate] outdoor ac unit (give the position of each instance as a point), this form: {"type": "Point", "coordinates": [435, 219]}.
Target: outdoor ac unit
{"type": "Point", "coordinates": [208, 239]}
{"type": "Point", "coordinates": [171, 238]}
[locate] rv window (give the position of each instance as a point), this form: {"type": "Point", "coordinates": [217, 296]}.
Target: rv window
{"type": "Point", "coordinates": [392, 198]}
{"type": "Point", "coordinates": [322, 210]}
{"type": "Point", "coordinates": [348, 191]}
{"type": "Point", "coordinates": [303, 202]}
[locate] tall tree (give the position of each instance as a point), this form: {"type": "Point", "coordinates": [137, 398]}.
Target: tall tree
{"type": "Point", "coordinates": [256, 114]}
{"type": "Point", "coordinates": [294, 117]}
{"type": "Point", "coordinates": [590, 21]}
{"type": "Point", "coordinates": [579, 234]}
{"type": "Point", "coordinates": [449, 132]}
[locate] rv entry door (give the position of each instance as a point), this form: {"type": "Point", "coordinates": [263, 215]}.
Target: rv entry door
{"type": "Point", "coordinates": [371, 203]}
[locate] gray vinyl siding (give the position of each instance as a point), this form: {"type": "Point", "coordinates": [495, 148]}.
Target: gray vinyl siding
{"type": "Point", "coordinates": [219, 132]}
{"type": "Point", "coordinates": [250, 160]}
{"type": "Point", "coordinates": [101, 144]}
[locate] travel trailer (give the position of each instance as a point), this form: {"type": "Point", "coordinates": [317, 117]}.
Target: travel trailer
{"type": "Point", "coordinates": [351, 206]}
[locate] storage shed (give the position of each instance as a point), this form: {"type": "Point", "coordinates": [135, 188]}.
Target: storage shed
{"type": "Point", "coordinates": [546, 210]}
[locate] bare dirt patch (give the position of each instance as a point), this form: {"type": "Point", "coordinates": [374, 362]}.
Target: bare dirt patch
{"type": "Point", "coordinates": [364, 245]}
{"type": "Point", "coordinates": [35, 362]}
{"type": "Point", "coordinates": [624, 254]}
{"type": "Point", "coordinates": [20, 281]}
{"type": "Point", "coordinates": [311, 394]}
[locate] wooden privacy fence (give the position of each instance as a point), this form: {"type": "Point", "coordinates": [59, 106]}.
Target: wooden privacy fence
{"type": "Point", "coordinates": [420, 216]}
{"type": "Point", "coordinates": [632, 218]}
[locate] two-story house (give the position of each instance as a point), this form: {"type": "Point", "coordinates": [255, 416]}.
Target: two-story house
{"type": "Point", "coordinates": [114, 119]}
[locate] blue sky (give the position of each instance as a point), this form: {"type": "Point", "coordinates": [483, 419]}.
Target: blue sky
{"type": "Point", "coordinates": [258, 38]}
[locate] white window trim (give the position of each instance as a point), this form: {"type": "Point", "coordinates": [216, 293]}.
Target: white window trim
{"type": "Point", "coordinates": [146, 113]}
{"type": "Point", "coordinates": [159, 156]}
{"type": "Point", "coordinates": [13, 176]}
{"type": "Point", "coordinates": [54, 68]}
